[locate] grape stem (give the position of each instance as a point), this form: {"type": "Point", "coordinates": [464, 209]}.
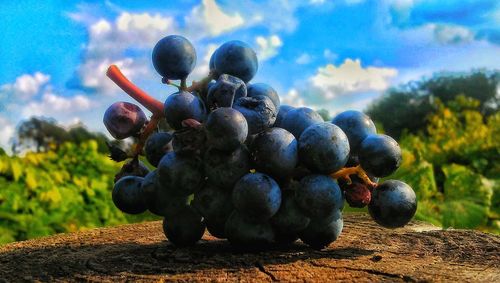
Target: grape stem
{"type": "Point", "coordinates": [153, 105]}
{"type": "Point", "coordinates": [345, 173]}
{"type": "Point", "coordinates": [169, 82]}
{"type": "Point", "coordinates": [150, 128]}
{"type": "Point", "coordinates": [201, 84]}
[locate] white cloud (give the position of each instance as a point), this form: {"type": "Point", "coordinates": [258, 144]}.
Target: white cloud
{"type": "Point", "coordinates": [351, 77]}
{"type": "Point", "coordinates": [25, 86]}
{"type": "Point", "coordinates": [450, 34]}
{"type": "Point", "coordinates": [202, 68]}
{"type": "Point", "coordinates": [303, 59]}
{"type": "Point", "coordinates": [267, 47]}
{"type": "Point", "coordinates": [208, 18]}
{"type": "Point", "coordinates": [293, 98]}
{"type": "Point", "coordinates": [7, 133]}
{"type": "Point", "coordinates": [329, 55]}
{"type": "Point", "coordinates": [108, 43]}
{"type": "Point", "coordinates": [52, 104]}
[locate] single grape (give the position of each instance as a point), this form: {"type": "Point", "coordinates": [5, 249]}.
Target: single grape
{"type": "Point", "coordinates": [393, 204]}
{"type": "Point", "coordinates": [189, 141]}
{"type": "Point", "coordinates": [236, 58]}
{"type": "Point", "coordinates": [226, 129]}
{"type": "Point", "coordinates": [159, 200]}
{"type": "Point", "coordinates": [356, 125]}
{"type": "Point", "coordinates": [321, 232]}
{"type": "Point", "coordinates": [133, 167]}
{"type": "Point", "coordinates": [246, 234]}
{"type": "Point", "coordinates": [299, 119]}
{"type": "Point", "coordinates": [283, 110]}
{"type": "Point", "coordinates": [157, 145]}
{"type": "Point", "coordinates": [185, 229]}
{"type": "Point", "coordinates": [379, 155]}
{"type": "Point", "coordinates": [183, 105]}
{"type": "Point", "coordinates": [174, 57]}
{"type": "Point", "coordinates": [357, 195]}
{"type": "Point", "coordinates": [223, 169]}
{"type": "Point", "coordinates": [289, 220]}
{"type": "Point", "coordinates": [181, 175]}
{"type": "Point", "coordinates": [257, 196]}
{"type": "Point", "coordinates": [275, 152]}
{"type": "Point", "coordinates": [319, 196]}
{"type": "Point", "coordinates": [203, 93]}
{"type": "Point", "coordinates": [124, 119]}
{"type": "Point", "coordinates": [215, 205]}
{"type": "Point", "coordinates": [262, 89]}
{"type": "Point", "coordinates": [127, 195]}
{"type": "Point", "coordinates": [259, 112]}
{"type": "Point", "coordinates": [224, 91]}
{"type": "Point", "coordinates": [323, 148]}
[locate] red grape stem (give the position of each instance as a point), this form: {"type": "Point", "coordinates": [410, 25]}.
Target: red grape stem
{"type": "Point", "coordinates": [153, 105]}
{"type": "Point", "coordinates": [346, 172]}
{"type": "Point", "coordinates": [150, 128]}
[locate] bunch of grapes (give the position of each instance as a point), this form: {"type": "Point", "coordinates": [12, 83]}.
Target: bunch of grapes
{"type": "Point", "coordinates": [241, 165]}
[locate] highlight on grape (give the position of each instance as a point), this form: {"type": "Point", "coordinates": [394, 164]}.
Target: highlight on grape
{"type": "Point", "coordinates": [243, 166]}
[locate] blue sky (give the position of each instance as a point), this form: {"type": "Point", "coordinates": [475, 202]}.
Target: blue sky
{"type": "Point", "coordinates": [335, 55]}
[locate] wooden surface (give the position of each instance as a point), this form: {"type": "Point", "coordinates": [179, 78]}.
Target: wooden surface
{"type": "Point", "coordinates": [365, 252]}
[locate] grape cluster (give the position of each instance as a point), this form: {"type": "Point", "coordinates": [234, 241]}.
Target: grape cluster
{"type": "Point", "coordinates": [244, 167]}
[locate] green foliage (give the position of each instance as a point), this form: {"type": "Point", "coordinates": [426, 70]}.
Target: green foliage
{"type": "Point", "coordinates": [414, 102]}
{"type": "Point", "coordinates": [325, 114]}
{"type": "Point", "coordinates": [42, 134]}
{"type": "Point", "coordinates": [58, 191]}
{"type": "Point", "coordinates": [454, 167]}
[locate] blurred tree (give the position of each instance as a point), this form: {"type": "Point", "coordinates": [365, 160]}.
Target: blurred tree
{"type": "Point", "coordinates": [40, 134]}
{"type": "Point", "coordinates": [325, 114]}
{"type": "Point", "coordinates": [412, 103]}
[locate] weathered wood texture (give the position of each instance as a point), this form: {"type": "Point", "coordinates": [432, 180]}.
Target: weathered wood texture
{"type": "Point", "coordinates": [365, 252]}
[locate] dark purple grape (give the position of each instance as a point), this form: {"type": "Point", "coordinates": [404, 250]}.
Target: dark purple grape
{"type": "Point", "coordinates": [393, 204]}
{"type": "Point", "coordinates": [275, 152]}
{"type": "Point", "coordinates": [226, 129]}
{"type": "Point", "coordinates": [223, 169]}
{"type": "Point", "coordinates": [181, 175]}
{"type": "Point", "coordinates": [190, 141]}
{"type": "Point", "coordinates": [319, 196]}
{"type": "Point", "coordinates": [323, 148]}
{"type": "Point", "coordinates": [246, 234]}
{"type": "Point", "coordinates": [356, 125]}
{"type": "Point", "coordinates": [124, 119]}
{"type": "Point", "coordinates": [257, 196]}
{"type": "Point", "coordinates": [321, 232]}
{"type": "Point", "coordinates": [262, 89]}
{"type": "Point", "coordinates": [127, 195]}
{"type": "Point", "coordinates": [185, 228]}
{"type": "Point", "coordinates": [132, 168]}
{"type": "Point", "coordinates": [283, 110]}
{"type": "Point", "coordinates": [259, 112]}
{"type": "Point", "coordinates": [379, 155]}
{"type": "Point", "coordinates": [159, 200]}
{"type": "Point", "coordinates": [157, 145]}
{"type": "Point", "coordinates": [215, 205]}
{"type": "Point", "coordinates": [183, 105]}
{"type": "Point", "coordinates": [289, 220]}
{"type": "Point", "coordinates": [236, 58]}
{"type": "Point", "coordinates": [225, 91]}
{"type": "Point", "coordinates": [174, 57]}
{"type": "Point", "coordinates": [357, 195]}
{"type": "Point", "coordinates": [299, 119]}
